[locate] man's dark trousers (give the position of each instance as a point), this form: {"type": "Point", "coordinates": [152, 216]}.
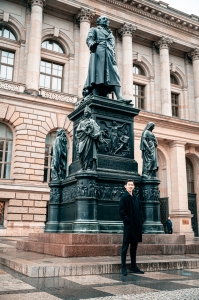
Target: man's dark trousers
{"type": "Point", "coordinates": [133, 249]}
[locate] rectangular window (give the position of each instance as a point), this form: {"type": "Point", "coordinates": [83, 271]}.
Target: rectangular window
{"type": "Point", "coordinates": [6, 65]}
{"type": "Point", "coordinates": [174, 104]}
{"type": "Point", "coordinates": [2, 206]}
{"type": "Point", "coordinates": [138, 96]}
{"type": "Point", "coordinates": [51, 76]}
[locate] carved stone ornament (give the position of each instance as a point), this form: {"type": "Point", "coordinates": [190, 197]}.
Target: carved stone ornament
{"type": "Point", "coordinates": [55, 195]}
{"type": "Point", "coordinates": [127, 29]}
{"type": "Point", "coordinates": [37, 2]}
{"type": "Point", "coordinates": [194, 54]}
{"type": "Point", "coordinates": [164, 43]}
{"type": "Point", "coordinates": [85, 15]}
{"type": "Point", "coordinates": [150, 194]}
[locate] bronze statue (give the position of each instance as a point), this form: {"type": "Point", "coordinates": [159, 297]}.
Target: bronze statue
{"type": "Point", "coordinates": [148, 146]}
{"type": "Point", "coordinates": [103, 76]}
{"type": "Point", "coordinates": [88, 134]}
{"type": "Point", "coordinates": [59, 156]}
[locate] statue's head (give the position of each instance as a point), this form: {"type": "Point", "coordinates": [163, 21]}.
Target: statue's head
{"type": "Point", "coordinates": [61, 132]}
{"type": "Point", "coordinates": [103, 20]}
{"type": "Point", "coordinates": [87, 111]}
{"type": "Point", "coordinates": [114, 123]}
{"type": "Point", "coordinates": [150, 126]}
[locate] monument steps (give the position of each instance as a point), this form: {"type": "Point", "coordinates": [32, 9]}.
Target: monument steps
{"type": "Point", "coordinates": [92, 245]}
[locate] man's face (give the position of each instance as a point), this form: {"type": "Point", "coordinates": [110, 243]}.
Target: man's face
{"type": "Point", "coordinates": [129, 186]}
{"type": "Point", "coordinates": [105, 21]}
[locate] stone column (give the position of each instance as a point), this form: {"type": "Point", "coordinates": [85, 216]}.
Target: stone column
{"type": "Point", "coordinates": [165, 85]}
{"type": "Point", "coordinates": [85, 17]}
{"type": "Point", "coordinates": [127, 32]}
{"type": "Point", "coordinates": [34, 47]}
{"type": "Point", "coordinates": [179, 213]}
{"type": "Point", "coordinates": [195, 58]}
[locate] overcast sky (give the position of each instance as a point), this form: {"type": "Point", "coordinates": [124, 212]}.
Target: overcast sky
{"type": "Point", "coordinates": [187, 6]}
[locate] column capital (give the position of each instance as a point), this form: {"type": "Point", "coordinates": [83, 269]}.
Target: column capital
{"type": "Point", "coordinates": [85, 15]}
{"type": "Point", "coordinates": [164, 43]}
{"type": "Point", "coordinates": [127, 30]}
{"type": "Point", "coordinates": [194, 54]}
{"type": "Point", "coordinates": [177, 144]}
{"type": "Point", "coordinates": [41, 3]}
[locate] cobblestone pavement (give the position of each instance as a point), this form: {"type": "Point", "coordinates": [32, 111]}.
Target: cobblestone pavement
{"type": "Point", "coordinates": [164, 285]}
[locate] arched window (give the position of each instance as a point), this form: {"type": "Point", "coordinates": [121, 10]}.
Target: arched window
{"type": "Point", "coordinates": [190, 176]}
{"type": "Point", "coordinates": [7, 33]}
{"type": "Point", "coordinates": [138, 70]}
{"type": "Point", "coordinates": [173, 79]}
{"type": "Point", "coordinates": [6, 139]}
{"type": "Point", "coordinates": [51, 45]}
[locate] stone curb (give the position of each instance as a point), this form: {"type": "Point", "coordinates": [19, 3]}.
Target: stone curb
{"type": "Point", "coordinates": [34, 269]}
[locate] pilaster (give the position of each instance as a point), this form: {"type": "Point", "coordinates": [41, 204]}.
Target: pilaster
{"type": "Point", "coordinates": [34, 47]}
{"type": "Point", "coordinates": [179, 212]}
{"type": "Point", "coordinates": [194, 55]}
{"type": "Point", "coordinates": [127, 31]}
{"type": "Point", "coordinates": [84, 17]}
{"type": "Point", "coordinates": [165, 87]}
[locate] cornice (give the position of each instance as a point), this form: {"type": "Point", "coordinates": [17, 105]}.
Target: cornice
{"type": "Point", "coordinates": [159, 13]}
{"type": "Point", "coordinates": [168, 122]}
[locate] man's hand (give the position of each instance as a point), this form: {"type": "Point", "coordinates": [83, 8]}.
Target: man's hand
{"type": "Point", "coordinates": [93, 47]}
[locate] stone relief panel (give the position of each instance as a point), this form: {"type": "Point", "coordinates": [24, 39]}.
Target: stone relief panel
{"type": "Point", "coordinates": [115, 138]}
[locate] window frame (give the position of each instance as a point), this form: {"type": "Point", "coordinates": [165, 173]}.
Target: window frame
{"type": "Point", "coordinates": [53, 76]}
{"type": "Point", "coordinates": [49, 157]}
{"type": "Point", "coordinates": [13, 46]}
{"type": "Point", "coordinates": [188, 174]}
{"type": "Point", "coordinates": [141, 97]}
{"type": "Point", "coordinates": [10, 31]}
{"type": "Point", "coordinates": [173, 105]}
{"type": "Point", "coordinates": [13, 66]}
{"type": "Point", "coordinates": [47, 40]}
{"type": "Point", "coordinates": [3, 157]}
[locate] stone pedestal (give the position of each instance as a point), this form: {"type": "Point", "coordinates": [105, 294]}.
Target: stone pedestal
{"type": "Point", "coordinates": [53, 207]}
{"type": "Point", "coordinates": [89, 199]}
{"type": "Point", "coordinates": [151, 206]}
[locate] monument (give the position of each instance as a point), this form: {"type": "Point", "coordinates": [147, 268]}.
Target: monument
{"type": "Point", "coordinates": [86, 201]}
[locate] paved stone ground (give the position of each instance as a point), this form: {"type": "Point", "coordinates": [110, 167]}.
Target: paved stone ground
{"type": "Point", "coordinates": [161, 285]}
{"type": "Point", "coordinates": [177, 284]}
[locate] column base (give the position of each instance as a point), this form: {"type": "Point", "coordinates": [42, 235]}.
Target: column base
{"type": "Point", "coordinates": [181, 220]}
{"type": "Point", "coordinates": [152, 228]}
{"type": "Point", "coordinates": [32, 92]}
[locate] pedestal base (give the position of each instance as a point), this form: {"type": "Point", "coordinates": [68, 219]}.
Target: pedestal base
{"type": "Point", "coordinates": [151, 206]}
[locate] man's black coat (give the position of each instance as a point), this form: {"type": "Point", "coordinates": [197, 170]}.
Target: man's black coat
{"type": "Point", "coordinates": [131, 213]}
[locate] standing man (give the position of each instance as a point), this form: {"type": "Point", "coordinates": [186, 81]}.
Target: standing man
{"type": "Point", "coordinates": [169, 226]}
{"type": "Point", "coordinates": [131, 214]}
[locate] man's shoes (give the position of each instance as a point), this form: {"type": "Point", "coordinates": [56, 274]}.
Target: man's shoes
{"type": "Point", "coordinates": [124, 272]}
{"type": "Point", "coordinates": [136, 270]}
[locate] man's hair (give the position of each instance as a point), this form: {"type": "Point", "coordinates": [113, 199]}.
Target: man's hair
{"type": "Point", "coordinates": [129, 180]}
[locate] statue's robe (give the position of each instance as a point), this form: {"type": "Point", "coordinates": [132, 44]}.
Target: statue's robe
{"type": "Point", "coordinates": [87, 143]}
{"type": "Point", "coordinates": [102, 65]}
{"type": "Point", "coordinates": [150, 158]}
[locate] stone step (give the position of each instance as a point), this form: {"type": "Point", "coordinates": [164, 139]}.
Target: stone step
{"type": "Point", "coordinates": [76, 250]}
{"type": "Point", "coordinates": [40, 265]}
{"type": "Point", "coordinates": [99, 239]}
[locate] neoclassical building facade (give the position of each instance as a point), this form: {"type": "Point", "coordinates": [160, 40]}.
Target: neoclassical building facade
{"type": "Point", "coordinates": [43, 66]}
